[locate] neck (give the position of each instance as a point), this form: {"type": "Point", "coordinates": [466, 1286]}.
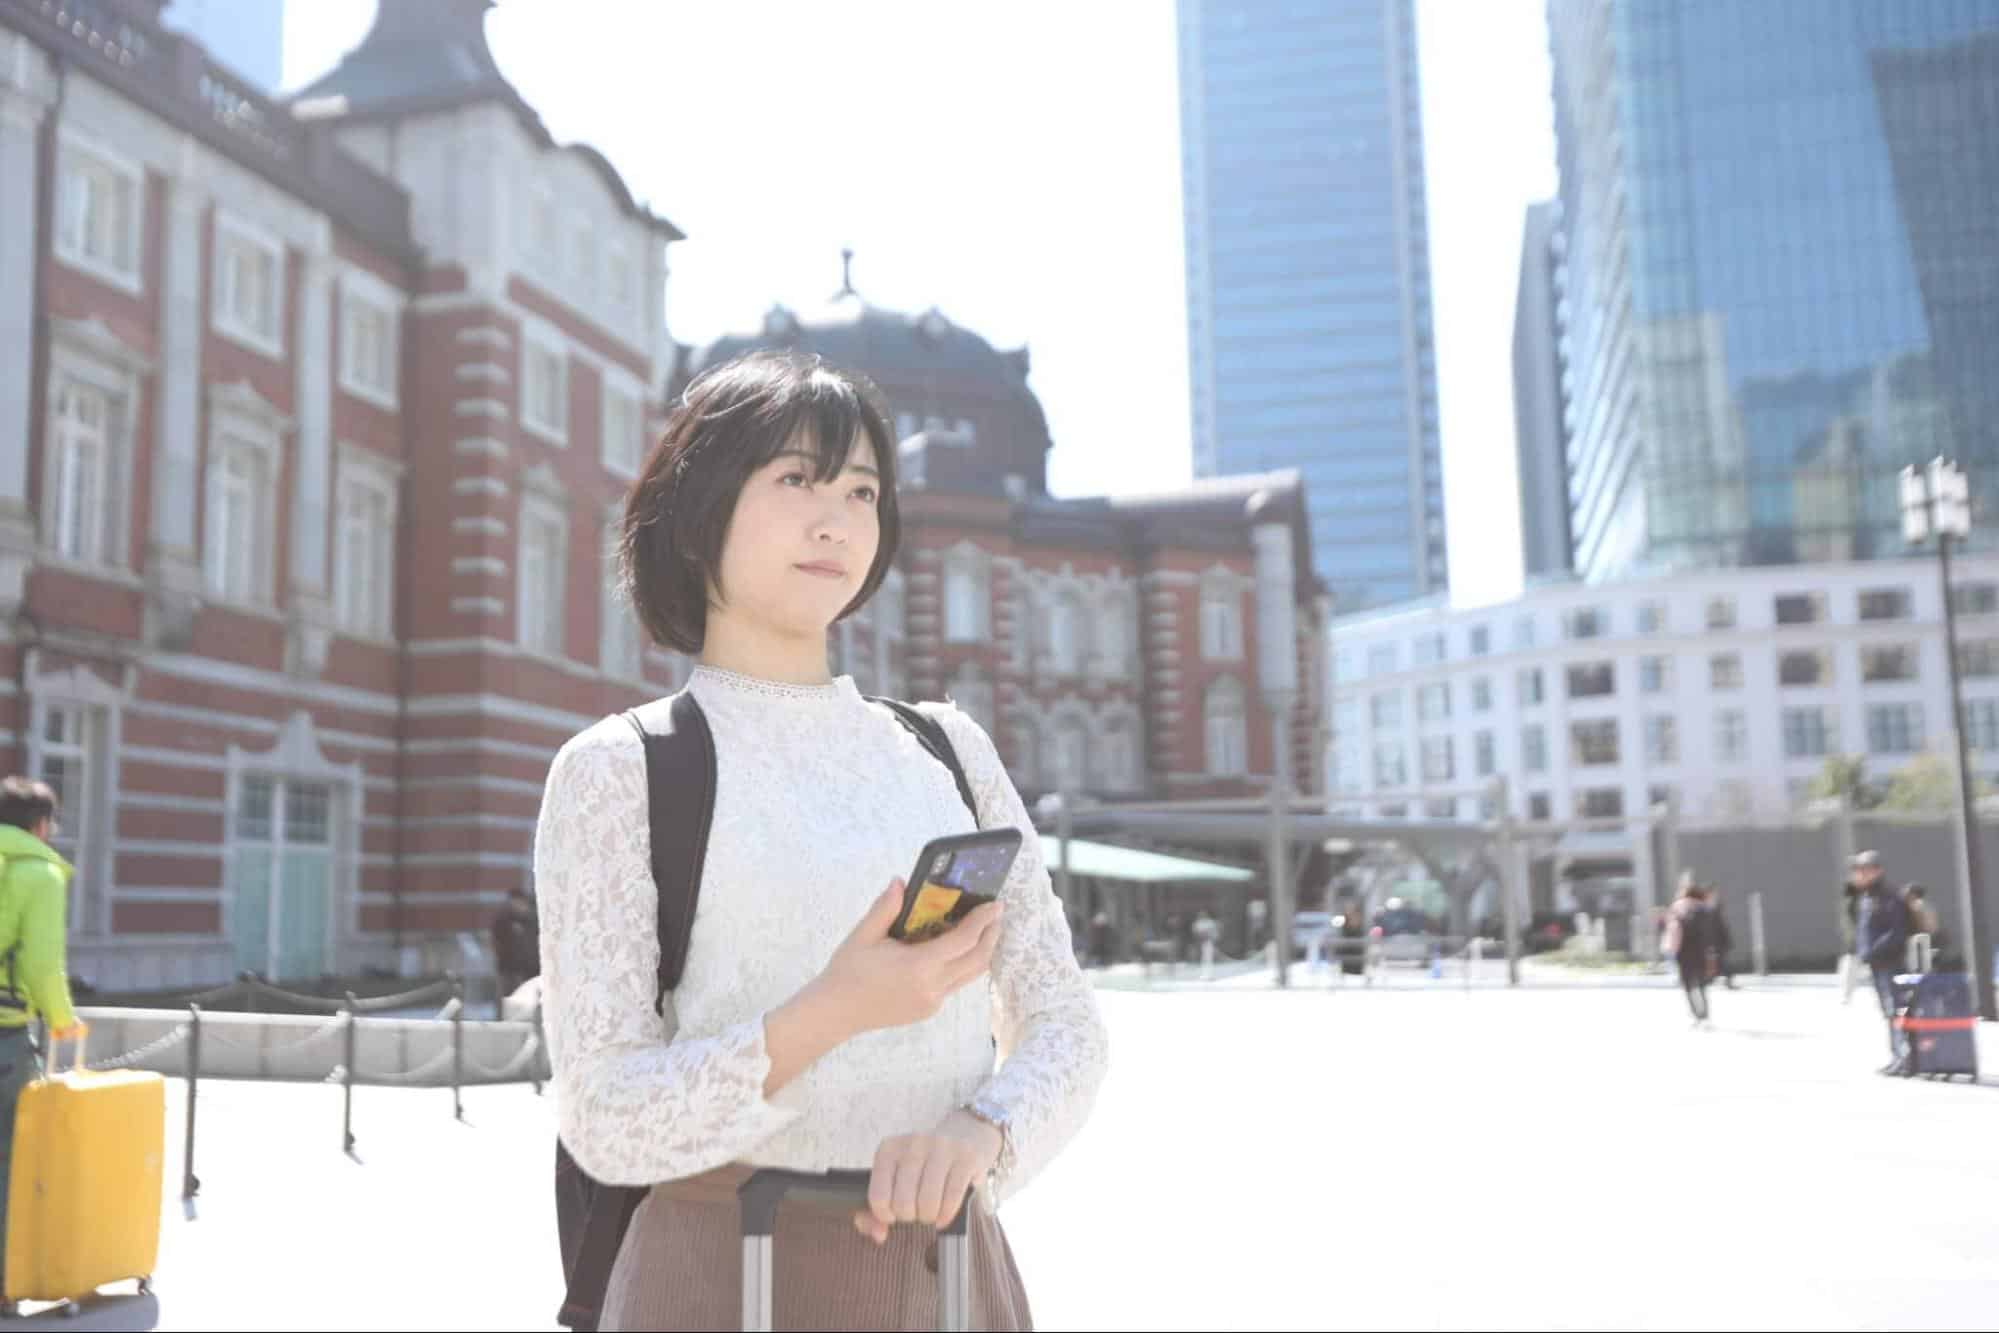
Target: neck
{"type": "Point", "coordinates": [751, 649]}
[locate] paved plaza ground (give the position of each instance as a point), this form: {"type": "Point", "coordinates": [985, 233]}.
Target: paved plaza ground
{"type": "Point", "coordinates": [1412, 1155]}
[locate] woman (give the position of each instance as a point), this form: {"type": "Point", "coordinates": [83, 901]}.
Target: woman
{"type": "Point", "coordinates": [800, 1034]}
{"type": "Point", "coordinates": [1690, 939]}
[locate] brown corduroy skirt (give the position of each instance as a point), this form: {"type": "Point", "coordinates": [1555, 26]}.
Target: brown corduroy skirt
{"type": "Point", "coordinates": [681, 1267]}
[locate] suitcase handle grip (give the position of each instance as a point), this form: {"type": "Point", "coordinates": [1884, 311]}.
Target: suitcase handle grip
{"type": "Point", "coordinates": [766, 1188]}
{"type": "Point", "coordinates": [55, 1052]}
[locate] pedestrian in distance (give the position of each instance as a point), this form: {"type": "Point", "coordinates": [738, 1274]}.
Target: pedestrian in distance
{"type": "Point", "coordinates": [800, 1034]}
{"type": "Point", "coordinates": [1690, 930]}
{"type": "Point", "coordinates": [1883, 941]}
{"type": "Point", "coordinates": [1724, 938]}
{"type": "Point", "coordinates": [34, 974]}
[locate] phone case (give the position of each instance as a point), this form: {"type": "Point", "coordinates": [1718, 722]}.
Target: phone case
{"type": "Point", "coordinates": [954, 875]}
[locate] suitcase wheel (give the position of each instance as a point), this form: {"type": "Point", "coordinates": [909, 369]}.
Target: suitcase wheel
{"type": "Point", "coordinates": [145, 1286]}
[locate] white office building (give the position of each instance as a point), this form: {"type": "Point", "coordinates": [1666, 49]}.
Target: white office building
{"type": "Point", "coordinates": [1726, 688]}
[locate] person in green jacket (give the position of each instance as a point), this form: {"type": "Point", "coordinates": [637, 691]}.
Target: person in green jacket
{"type": "Point", "coordinates": [34, 980]}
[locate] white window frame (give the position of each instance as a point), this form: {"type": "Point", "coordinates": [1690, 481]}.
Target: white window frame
{"type": "Point", "coordinates": [1731, 735]}
{"type": "Point", "coordinates": [1221, 618]}
{"type": "Point", "coordinates": [1066, 631]}
{"type": "Point", "coordinates": [89, 356]}
{"type": "Point", "coordinates": [621, 643]}
{"type": "Point", "coordinates": [361, 292]}
{"type": "Point", "coordinates": [1117, 633]}
{"type": "Point", "coordinates": [537, 340]}
{"type": "Point", "coordinates": [542, 509]}
{"type": "Point", "coordinates": [88, 828]}
{"type": "Point", "coordinates": [233, 230]}
{"type": "Point", "coordinates": [365, 475]}
{"type": "Point", "coordinates": [242, 428]}
{"type": "Point", "coordinates": [621, 459]}
{"type": "Point", "coordinates": [126, 270]}
{"type": "Point", "coordinates": [966, 581]}
{"type": "Point", "coordinates": [1225, 728]}
{"type": "Point", "coordinates": [1069, 747]}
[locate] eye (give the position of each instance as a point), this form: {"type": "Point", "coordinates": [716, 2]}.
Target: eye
{"type": "Point", "coordinates": [794, 478]}
{"type": "Point", "coordinates": [866, 493]}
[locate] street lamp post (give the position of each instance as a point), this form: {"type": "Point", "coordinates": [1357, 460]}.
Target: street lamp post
{"type": "Point", "coordinates": [1277, 676]}
{"type": "Point", "coordinates": [1936, 501]}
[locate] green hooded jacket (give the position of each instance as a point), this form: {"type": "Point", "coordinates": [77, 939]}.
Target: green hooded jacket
{"type": "Point", "coordinates": [34, 899]}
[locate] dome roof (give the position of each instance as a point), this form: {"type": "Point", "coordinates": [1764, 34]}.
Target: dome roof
{"type": "Point", "coordinates": [928, 367]}
{"type": "Point", "coordinates": [886, 345]}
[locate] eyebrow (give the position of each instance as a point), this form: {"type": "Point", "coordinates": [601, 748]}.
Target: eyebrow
{"type": "Point", "coordinates": [861, 468]}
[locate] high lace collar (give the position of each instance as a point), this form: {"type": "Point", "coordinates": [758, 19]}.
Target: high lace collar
{"type": "Point", "coordinates": [717, 683]}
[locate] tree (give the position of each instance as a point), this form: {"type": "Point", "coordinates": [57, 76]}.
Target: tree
{"type": "Point", "coordinates": [1927, 784]}
{"type": "Point", "coordinates": [1845, 775]}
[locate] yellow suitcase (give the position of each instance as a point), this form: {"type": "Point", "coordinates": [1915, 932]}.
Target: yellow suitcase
{"type": "Point", "coordinates": [83, 1198]}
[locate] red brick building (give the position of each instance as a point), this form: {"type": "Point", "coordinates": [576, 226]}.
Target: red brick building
{"type": "Point", "coordinates": [313, 421]}
{"type": "Point", "coordinates": [1107, 643]}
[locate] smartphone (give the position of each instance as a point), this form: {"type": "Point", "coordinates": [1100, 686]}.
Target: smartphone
{"type": "Point", "coordinates": [954, 875]}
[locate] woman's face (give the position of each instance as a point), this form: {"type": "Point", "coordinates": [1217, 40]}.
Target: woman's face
{"type": "Point", "coordinates": [797, 549]}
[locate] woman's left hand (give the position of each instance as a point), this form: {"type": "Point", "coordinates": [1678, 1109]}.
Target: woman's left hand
{"type": "Point", "coordinates": [925, 1177]}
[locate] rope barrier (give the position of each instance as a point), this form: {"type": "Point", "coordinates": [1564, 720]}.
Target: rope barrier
{"type": "Point", "coordinates": [151, 1048]}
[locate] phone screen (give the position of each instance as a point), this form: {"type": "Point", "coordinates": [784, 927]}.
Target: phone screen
{"type": "Point", "coordinates": [951, 880]}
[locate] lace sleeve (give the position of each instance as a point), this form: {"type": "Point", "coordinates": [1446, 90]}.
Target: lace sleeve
{"type": "Point", "coordinates": [636, 1101]}
{"type": "Point", "coordinates": [1053, 1048]}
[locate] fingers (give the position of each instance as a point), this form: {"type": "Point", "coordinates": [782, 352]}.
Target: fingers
{"type": "Point", "coordinates": [956, 1186]}
{"type": "Point", "coordinates": [910, 1169]}
{"type": "Point", "coordinates": [881, 914]}
{"type": "Point", "coordinates": [966, 937]}
{"type": "Point", "coordinates": [930, 1191]}
{"type": "Point", "coordinates": [978, 959]}
{"type": "Point", "coordinates": [881, 1185]}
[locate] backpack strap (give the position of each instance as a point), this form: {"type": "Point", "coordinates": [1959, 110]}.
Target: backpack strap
{"type": "Point", "coordinates": [680, 798]}
{"type": "Point", "coordinates": [929, 732]}
{"type": "Point", "coordinates": [592, 1217]}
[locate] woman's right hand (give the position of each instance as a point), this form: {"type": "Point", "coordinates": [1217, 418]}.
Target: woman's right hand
{"type": "Point", "coordinates": [880, 982]}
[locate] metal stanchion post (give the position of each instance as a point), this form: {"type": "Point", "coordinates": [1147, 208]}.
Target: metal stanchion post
{"type": "Point", "coordinates": [347, 1113]}
{"type": "Point", "coordinates": [457, 1048]}
{"type": "Point", "coordinates": [189, 1185]}
{"type": "Point", "coordinates": [1759, 952]}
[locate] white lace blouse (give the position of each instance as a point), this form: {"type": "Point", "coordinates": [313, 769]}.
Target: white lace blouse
{"type": "Point", "coordinates": [821, 798]}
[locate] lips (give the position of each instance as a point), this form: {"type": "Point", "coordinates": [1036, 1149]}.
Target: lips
{"type": "Point", "coordinates": [819, 569]}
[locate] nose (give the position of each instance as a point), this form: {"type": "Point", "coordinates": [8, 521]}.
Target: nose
{"type": "Point", "coordinates": [831, 526]}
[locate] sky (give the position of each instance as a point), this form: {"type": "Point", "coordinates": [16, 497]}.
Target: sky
{"type": "Point", "coordinates": [1018, 167]}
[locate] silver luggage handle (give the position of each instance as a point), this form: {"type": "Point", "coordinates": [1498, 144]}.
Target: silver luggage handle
{"type": "Point", "coordinates": [760, 1196]}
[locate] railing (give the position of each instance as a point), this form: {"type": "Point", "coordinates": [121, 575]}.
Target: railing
{"type": "Point", "coordinates": [346, 1018]}
{"type": "Point", "coordinates": [174, 77]}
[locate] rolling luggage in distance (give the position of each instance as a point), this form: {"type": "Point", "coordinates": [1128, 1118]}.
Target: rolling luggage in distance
{"type": "Point", "coordinates": [1939, 1025]}
{"type": "Point", "coordinates": [760, 1196]}
{"type": "Point", "coordinates": [83, 1200]}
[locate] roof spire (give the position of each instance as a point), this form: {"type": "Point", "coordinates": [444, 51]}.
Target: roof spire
{"type": "Point", "coordinates": [846, 274]}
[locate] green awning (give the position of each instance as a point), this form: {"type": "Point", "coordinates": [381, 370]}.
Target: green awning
{"type": "Point", "coordinates": [1101, 860]}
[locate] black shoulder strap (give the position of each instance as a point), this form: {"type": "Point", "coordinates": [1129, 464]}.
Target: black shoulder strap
{"type": "Point", "coordinates": [930, 732]}
{"type": "Point", "coordinates": [680, 796]}
{"type": "Point", "coordinates": [592, 1218]}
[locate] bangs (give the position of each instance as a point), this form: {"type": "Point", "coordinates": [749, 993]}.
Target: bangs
{"type": "Point", "coordinates": [823, 414]}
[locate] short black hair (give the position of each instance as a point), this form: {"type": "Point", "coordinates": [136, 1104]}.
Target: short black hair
{"type": "Point", "coordinates": [26, 802]}
{"type": "Point", "coordinates": [732, 420]}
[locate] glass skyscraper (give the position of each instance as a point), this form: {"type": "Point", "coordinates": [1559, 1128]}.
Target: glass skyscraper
{"type": "Point", "coordinates": [1308, 276]}
{"type": "Point", "coordinates": [1781, 227]}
